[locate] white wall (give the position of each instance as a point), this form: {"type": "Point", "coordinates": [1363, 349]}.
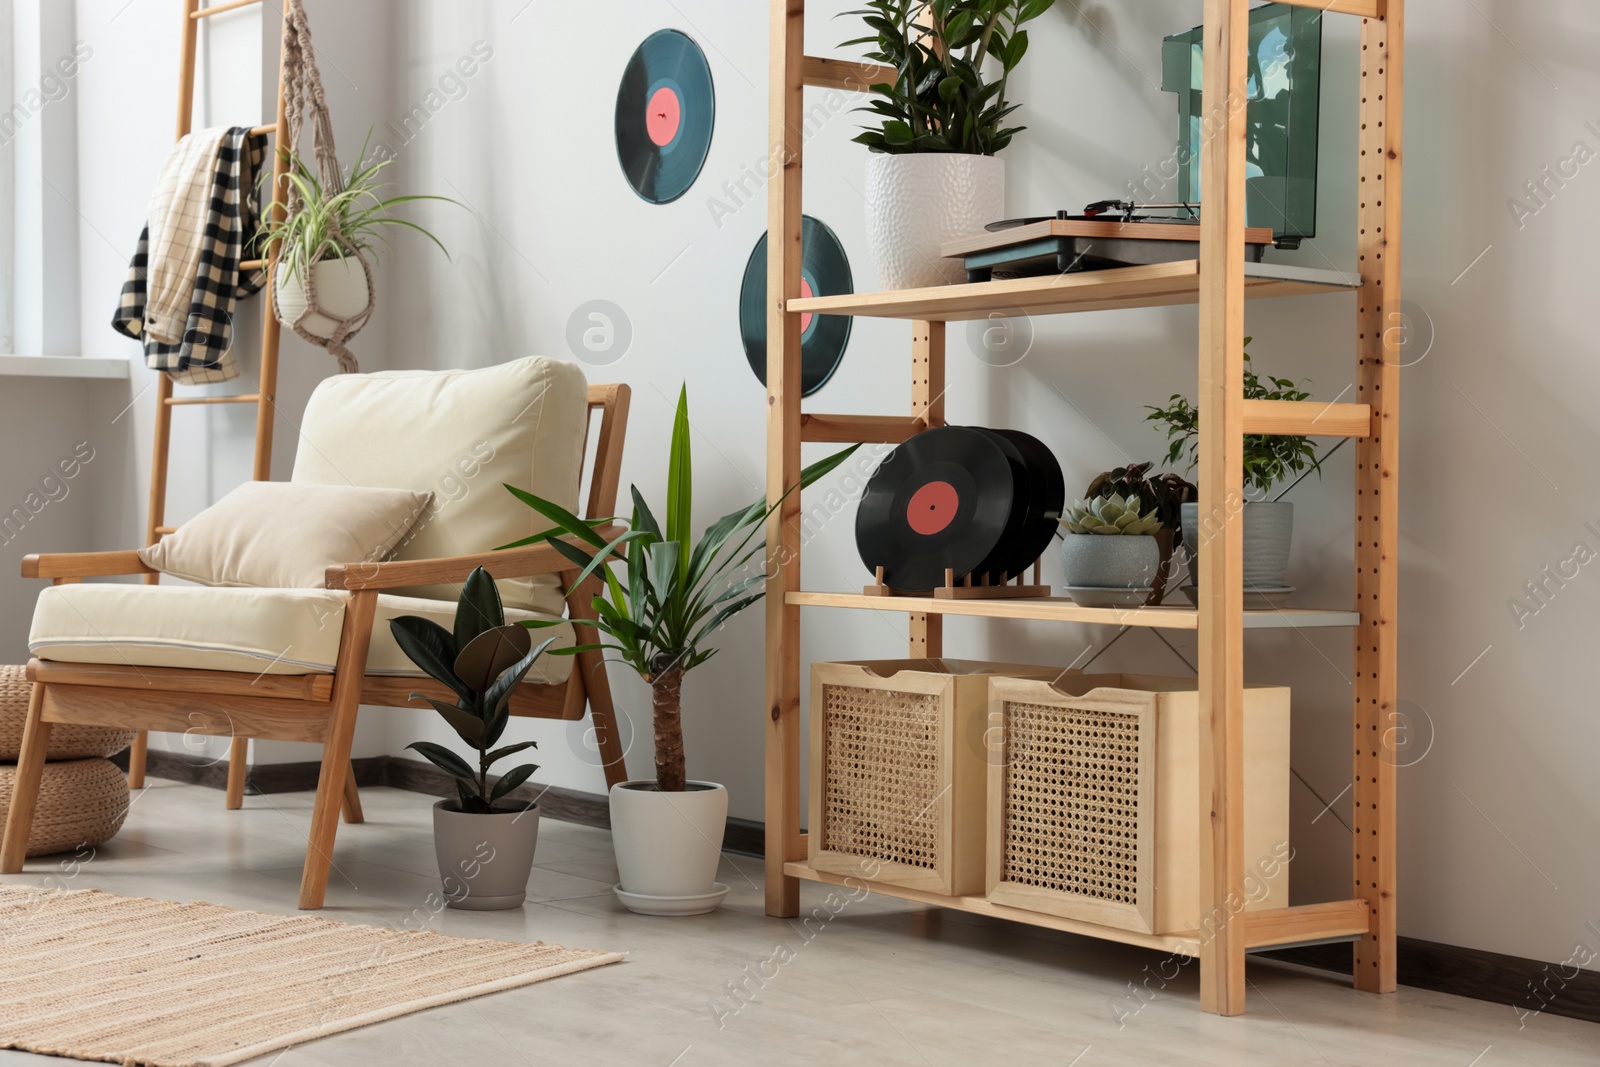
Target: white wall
{"type": "Point", "coordinates": [1496, 817]}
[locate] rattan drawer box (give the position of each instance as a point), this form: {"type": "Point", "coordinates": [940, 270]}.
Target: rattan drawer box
{"type": "Point", "coordinates": [897, 770]}
{"type": "Point", "coordinates": [1093, 799]}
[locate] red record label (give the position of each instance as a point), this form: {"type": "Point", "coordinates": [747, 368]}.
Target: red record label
{"type": "Point", "coordinates": [662, 116]}
{"type": "Point", "coordinates": [806, 293]}
{"type": "Point", "coordinates": [932, 508]}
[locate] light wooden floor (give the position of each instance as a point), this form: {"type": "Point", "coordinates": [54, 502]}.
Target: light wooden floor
{"type": "Point", "coordinates": [881, 982]}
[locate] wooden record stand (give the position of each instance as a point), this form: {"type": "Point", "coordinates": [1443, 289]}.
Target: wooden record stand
{"type": "Point", "coordinates": [1005, 589]}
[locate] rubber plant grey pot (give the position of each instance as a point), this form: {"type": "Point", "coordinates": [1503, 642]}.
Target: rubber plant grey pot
{"type": "Point", "coordinates": [668, 846]}
{"type": "Point", "coordinates": [1268, 534]}
{"type": "Point", "coordinates": [484, 860]}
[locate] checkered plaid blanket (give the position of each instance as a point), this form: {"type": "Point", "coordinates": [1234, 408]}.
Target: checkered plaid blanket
{"type": "Point", "coordinates": [204, 213]}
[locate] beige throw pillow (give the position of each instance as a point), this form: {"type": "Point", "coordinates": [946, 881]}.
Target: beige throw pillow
{"type": "Point", "coordinates": [285, 535]}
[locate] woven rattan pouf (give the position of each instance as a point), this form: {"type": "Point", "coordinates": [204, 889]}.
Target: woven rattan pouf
{"type": "Point", "coordinates": [82, 802]}
{"type": "Point", "coordinates": [67, 740]}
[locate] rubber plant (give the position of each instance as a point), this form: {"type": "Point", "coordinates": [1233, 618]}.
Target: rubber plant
{"type": "Point", "coordinates": [941, 100]}
{"type": "Point", "coordinates": [678, 592]}
{"type": "Point", "coordinates": [482, 661]}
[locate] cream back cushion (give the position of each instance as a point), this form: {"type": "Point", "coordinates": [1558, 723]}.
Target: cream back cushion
{"type": "Point", "coordinates": [460, 435]}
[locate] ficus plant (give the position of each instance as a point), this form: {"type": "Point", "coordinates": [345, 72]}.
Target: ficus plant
{"type": "Point", "coordinates": [678, 591]}
{"type": "Point", "coordinates": [1268, 459]}
{"type": "Point", "coordinates": [482, 661]}
{"type": "Point", "coordinates": [941, 99]}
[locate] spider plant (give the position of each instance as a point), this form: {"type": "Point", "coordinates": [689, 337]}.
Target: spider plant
{"type": "Point", "coordinates": [677, 594]}
{"type": "Point", "coordinates": [360, 210]}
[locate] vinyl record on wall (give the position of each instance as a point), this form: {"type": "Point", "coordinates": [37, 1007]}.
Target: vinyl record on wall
{"type": "Point", "coordinates": [824, 271]}
{"type": "Point", "coordinates": [666, 108]}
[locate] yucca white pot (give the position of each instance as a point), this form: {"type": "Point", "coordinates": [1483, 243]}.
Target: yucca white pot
{"type": "Point", "coordinates": [668, 846]}
{"type": "Point", "coordinates": [917, 202]}
{"type": "Point", "coordinates": [341, 291]}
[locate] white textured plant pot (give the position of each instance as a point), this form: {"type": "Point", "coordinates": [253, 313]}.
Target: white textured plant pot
{"type": "Point", "coordinates": [341, 291]}
{"type": "Point", "coordinates": [484, 860]}
{"type": "Point", "coordinates": [1268, 535]}
{"type": "Point", "coordinates": [917, 202]}
{"type": "Point", "coordinates": [668, 846]}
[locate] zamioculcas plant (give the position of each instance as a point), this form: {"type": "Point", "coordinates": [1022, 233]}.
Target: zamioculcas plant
{"type": "Point", "coordinates": [482, 662]}
{"type": "Point", "coordinates": [941, 100]}
{"type": "Point", "coordinates": [678, 592]}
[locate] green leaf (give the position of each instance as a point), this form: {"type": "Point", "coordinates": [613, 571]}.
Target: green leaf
{"type": "Point", "coordinates": [486, 656]}
{"type": "Point", "coordinates": [430, 647]}
{"type": "Point", "coordinates": [950, 88]}
{"type": "Point", "coordinates": [500, 692]}
{"type": "Point", "coordinates": [646, 520]}
{"type": "Point", "coordinates": [566, 520]}
{"type": "Point", "coordinates": [680, 484]}
{"type": "Point", "coordinates": [510, 780]}
{"type": "Point", "coordinates": [509, 750]}
{"type": "Point", "coordinates": [467, 725]}
{"type": "Point", "coordinates": [444, 759]}
{"type": "Point", "coordinates": [478, 609]}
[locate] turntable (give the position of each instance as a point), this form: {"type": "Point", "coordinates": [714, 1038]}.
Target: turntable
{"type": "Point", "coordinates": [1106, 235]}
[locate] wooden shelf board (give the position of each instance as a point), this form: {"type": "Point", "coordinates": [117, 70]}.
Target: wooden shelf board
{"type": "Point", "coordinates": [1061, 609]}
{"type": "Point", "coordinates": [1159, 285]}
{"type": "Point", "coordinates": [1183, 945]}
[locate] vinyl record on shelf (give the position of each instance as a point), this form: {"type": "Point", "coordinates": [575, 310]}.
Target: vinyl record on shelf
{"type": "Point", "coordinates": [824, 271]}
{"type": "Point", "coordinates": [1044, 499]}
{"type": "Point", "coordinates": [666, 108]}
{"type": "Point", "coordinates": [941, 500]}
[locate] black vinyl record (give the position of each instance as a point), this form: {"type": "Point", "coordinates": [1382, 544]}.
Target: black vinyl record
{"type": "Point", "coordinates": [824, 271]}
{"type": "Point", "coordinates": [666, 107]}
{"type": "Point", "coordinates": [1044, 499]}
{"type": "Point", "coordinates": [941, 500]}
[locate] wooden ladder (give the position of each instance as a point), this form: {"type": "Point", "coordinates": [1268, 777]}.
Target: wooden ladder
{"type": "Point", "coordinates": [264, 396]}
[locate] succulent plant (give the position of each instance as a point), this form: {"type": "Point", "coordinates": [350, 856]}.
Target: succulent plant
{"type": "Point", "coordinates": [1114, 514]}
{"type": "Point", "coordinates": [1169, 491]}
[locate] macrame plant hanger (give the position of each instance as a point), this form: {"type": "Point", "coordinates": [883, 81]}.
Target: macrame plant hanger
{"type": "Point", "coordinates": [302, 89]}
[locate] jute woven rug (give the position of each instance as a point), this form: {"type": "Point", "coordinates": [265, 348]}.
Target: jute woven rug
{"type": "Point", "coordinates": [154, 982]}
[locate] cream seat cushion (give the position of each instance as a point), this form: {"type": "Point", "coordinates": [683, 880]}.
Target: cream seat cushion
{"type": "Point", "coordinates": [257, 631]}
{"type": "Point", "coordinates": [459, 434]}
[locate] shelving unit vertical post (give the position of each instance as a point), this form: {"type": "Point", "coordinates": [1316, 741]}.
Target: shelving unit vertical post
{"type": "Point", "coordinates": [1219, 281]}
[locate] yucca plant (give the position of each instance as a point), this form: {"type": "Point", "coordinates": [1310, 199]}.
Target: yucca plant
{"type": "Point", "coordinates": [360, 210]}
{"type": "Point", "coordinates": [482, 661]}
{"type": "Point", "coordinates": [1111, 515]}
{"type": "Point", "coordinates": [941, 100]}
{"type": "Point", "coordinates": [678, 593]}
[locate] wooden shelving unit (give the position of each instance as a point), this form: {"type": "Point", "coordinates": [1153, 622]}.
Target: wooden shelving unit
{"type": "Point", "coordinates": [1220, 282]}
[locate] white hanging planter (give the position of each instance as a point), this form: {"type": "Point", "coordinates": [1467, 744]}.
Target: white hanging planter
{"type": "Point", "coordinates": [341, 291]}
{"type": "Point", "coordinates": [917, 202]}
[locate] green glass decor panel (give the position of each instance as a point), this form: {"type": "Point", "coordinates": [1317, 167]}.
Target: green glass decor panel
{"type": "Point", "coordinates": [1285, 83]}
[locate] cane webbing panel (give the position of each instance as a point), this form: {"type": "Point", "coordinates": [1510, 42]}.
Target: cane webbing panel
{"type": "Point", "coordinates": [882, 776]}
{"type": "Point", "coordinates": [1073, 801]}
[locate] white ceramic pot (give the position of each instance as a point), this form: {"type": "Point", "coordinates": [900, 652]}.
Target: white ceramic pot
{"type": "Point", "coordinates": [484, 860]}
{"type": "Point", "coordinates": [668, 845]}
{"type": "Point", "coordinates": [917, 202]}
{"type": "Point", "coordinates": [341, 291]}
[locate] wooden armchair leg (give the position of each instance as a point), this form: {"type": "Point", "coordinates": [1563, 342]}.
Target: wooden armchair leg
{"type": "Point", "coordinates": [347, 678]}
{"type": "Point", "coordinates": [238, 767]}
{"type": "Point", "coordinates": [352, 798]}
{"type": "Point", "coordinates": [25, 791]}
{"type": "Point", "coordinates": [136, 760]}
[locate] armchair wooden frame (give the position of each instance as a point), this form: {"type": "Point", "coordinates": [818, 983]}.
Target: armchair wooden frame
{"type": "Point", "coordinates": [315, 707]}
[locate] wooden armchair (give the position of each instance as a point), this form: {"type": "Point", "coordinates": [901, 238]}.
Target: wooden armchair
{"type": "Point", "coordinates": [318, 706]}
